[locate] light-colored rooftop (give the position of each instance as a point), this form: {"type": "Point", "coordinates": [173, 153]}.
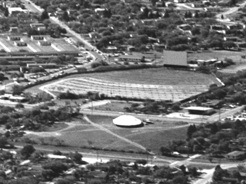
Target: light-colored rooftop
{"type": "Point", "coordinates": [127, 120]}
{"type": "Point", "coordinates": [198, 108]}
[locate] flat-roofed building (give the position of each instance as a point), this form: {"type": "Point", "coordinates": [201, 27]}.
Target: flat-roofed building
{"type": "Point", "coordinates": [38, 26]}
{"type": "Point", "coordinates": [23, 48]}
{"type": "Point", "coordinates": [43, 65]}
{"type": "Point", "coordinates": [199, 110]}
{"type": "Point", "coordinates": [14, 38]}
{"type": "Point", "coordinates": [37, 37]}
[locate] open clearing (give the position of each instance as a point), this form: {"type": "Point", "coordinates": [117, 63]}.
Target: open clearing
{"type": "Point", "coordinates": [155, 83]}
{"type": "Point", "coordinates": [80, 134]}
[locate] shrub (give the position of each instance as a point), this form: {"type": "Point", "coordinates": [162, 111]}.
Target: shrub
{"type": "Point", "coordinates": [19, 106]}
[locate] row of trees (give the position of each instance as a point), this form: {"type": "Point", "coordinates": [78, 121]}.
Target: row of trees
{"type": "Point", "coordinates": [213, 139]}
{"type": "Point", "coordinates": [110, 172]}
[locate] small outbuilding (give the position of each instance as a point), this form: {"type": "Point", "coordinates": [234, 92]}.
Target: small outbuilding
{"type": "Point", "coordinates": [236, 155]}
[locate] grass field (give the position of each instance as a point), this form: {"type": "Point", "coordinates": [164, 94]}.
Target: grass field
{"type": "Point", "coordinates": [155, 83]}
{"type": "Point", "coordinates": [118, 106]}
{"type": "Point", "coordinates": [151, 136]}
{"type": "Point", "coordinates": [80, 134]}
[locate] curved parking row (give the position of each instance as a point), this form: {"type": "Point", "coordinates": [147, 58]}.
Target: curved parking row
{"type": "Point", "coordinates": [129, 90]}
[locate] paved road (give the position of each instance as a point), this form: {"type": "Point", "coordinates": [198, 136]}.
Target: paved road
{"type": "Point", "coordinates": [140, 116]}
{"type": "Point", "coordinates": [228, 12]}
{"type": "Point", "coordinates": [225, 114]}
{"type": "Point", "coordinates": [33, 7]}
{"type": "Point", "coordinates": [210, 119]}
{"type": "Point", "coordinates": [119, 156]}
{"type": "Point", "coordinates": [92, 49]}
{"type": "Point", "coordinates": [207, 177]}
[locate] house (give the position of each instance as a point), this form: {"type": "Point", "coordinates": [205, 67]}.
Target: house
{"type": "Point", "coordinates": [237, 26]}
{"type": "Point", "coordinates": [37, 37]}
{"type": "Point", "coordinates": [236, 155]}
{"type": "Point", "coordinates": [20, 44]}
{"type": "Point", "coordinates": [111, 49]}
{"type": "Point", "coordinates": [158, 47]}
{"type": "Point", "coordinates": [130, 58]}
{"type": "Point", "coordinates": [38, 26]}
{"type": "Point", "coordinates": [43, 65]}
{"type": "Point", "coordinates": [208, 62]}
{"type": "Point", "coordinates": [13, 29]}
{"type": "Point", "coordinates": [14, 38]}
{"type": "Point", "coordinates": [15, 10]}
{"type": "Point", "coordinates": [100, 10]}
{"type": "Point", "coordinates": [174, 58]}
{"type": "Point", "coordinates": [218, 28]}
{"type": "Point", "coordinates": [232, 39]}
{"type": "Point", "coordinates": [184, 27]}
{"type": "Point", "coordinates": [224, 3]}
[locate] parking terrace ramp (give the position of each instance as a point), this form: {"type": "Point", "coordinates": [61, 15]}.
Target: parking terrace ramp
{"type": "Point", "coordinates": [130, 90]}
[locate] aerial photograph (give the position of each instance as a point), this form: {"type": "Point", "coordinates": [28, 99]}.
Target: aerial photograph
{"type": "Point", "coordinates": [123, 92]}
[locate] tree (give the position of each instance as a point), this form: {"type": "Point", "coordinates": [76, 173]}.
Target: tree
{"type": "Point", "coordinates": [214, 128]}
{"type": "Point", "coordinates": [6, 12]}
{"type": "Point", "coordinates": [154, 2]}
{"type": "Point", "coordinates": [176, 107]}
{"type": "Point", "coordinates": [63, 181]}
{"type": "Point", "coordinates": [166, 15]}
{"type": "Point", "coordinates": [219, 173]}
{"type": "Point", "coordinates": [3, 142]}
{"type": "Point", "coordinates": [19, 106]}
{"type": "Point", "coordinates": [2, 77]}
{"type": "Point", "coordinates": [44, 15]}
{"type": "Point", "coordinates": [17, 89]}
{"type": "Point", "coordinates": [165, 151]}
{"type": "Point", "coordinates": [233, 2]}
{"type": "Point", "coordinates": [193, 171]}
{"type": "Point", "coordinates": [27, 150]}
{"type": "Point", "coordinates": [180, 179]}
{"type": "Point", "coordinates": [24, 180]}
{"type": "Point", "coordinates": [65, 16]}
{"type": "Point", "coordinates": [37, 69]}
{"type": "Point", "coordinates": [76, 157]}
{"type": "Point", "coordinates": [57, 167]}
{"type": "Point", "coordinates": [191, 129]}
{"type": "Point", "coordinates": [229, 45]}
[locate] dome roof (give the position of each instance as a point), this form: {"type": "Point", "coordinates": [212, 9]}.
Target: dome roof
{"type": "Point", "coordinates": [127, 120]}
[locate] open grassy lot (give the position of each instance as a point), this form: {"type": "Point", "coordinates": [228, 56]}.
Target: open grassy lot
{"type": "Point", "coordinates": [155, 83]}
{"type": "Point", "coordinates": [151, 136]}
{"type": "Point", "coordinates": [118, 106]}
{"type": "Point", "coordinates": [83, 134]}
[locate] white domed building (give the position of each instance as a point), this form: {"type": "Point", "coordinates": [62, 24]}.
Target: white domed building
{"type": "Point", "coordinates": [127, 121]}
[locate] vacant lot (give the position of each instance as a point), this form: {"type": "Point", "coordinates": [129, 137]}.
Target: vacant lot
{"type": "Point", "coordinates": [151, 136]}
{"type": "Point", "coordinates": [156, 84]}
{"type": "Point", "coordinates": [80, 134]}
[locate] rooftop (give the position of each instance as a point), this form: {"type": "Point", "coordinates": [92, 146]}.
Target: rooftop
{"type": "Point", "coordinates": [198, 108]}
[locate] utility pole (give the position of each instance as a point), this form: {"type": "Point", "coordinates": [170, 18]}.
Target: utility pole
{"type": "Point", "coordinates": [91, 107]}
{"type": "Point", "coordinates": [219, 114]}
